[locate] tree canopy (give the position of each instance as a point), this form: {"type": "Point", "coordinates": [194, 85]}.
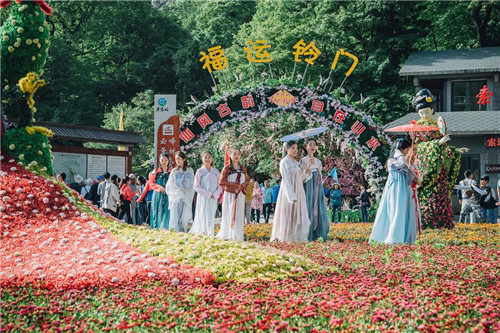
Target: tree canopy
{"type": "Point", "coordinates": [107, 53]}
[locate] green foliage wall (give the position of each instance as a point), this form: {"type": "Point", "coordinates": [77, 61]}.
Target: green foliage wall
{"type": "Point", "coordinates": [25, 42]}
{"type": "Point", "coordinates": [105, 52]}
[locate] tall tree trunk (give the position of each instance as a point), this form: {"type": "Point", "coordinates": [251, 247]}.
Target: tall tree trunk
{"type": "Point", "coordinates": [481, 24]}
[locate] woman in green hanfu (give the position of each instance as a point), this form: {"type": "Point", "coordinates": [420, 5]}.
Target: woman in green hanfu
{"type": "Point", "coordinates": [160, 214]}
{"type": "Point", "coordinates": [438, 166]}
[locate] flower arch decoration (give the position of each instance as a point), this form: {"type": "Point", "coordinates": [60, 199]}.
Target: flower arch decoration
{"type": "Point", "coordinates": [356, 133]}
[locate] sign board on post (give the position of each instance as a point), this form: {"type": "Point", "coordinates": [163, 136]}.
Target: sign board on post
{"type": "Point", "coordinates": [166, 125]}
{"type": "Point", "coordinates": [96, 166]}
{"type": "Point", "coordinates": [64, 161]}
{"type": "Point", "coordinates": [116, 165]}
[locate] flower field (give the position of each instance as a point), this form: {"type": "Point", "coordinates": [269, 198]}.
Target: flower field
{"type": "Point", "coordinates": [48, 242]}
{"type": "Point", "coordinates": [66, 267]}
{"type": "Point", "coordinates": [462, 234]}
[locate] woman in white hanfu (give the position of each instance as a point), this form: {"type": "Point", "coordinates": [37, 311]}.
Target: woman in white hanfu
{"type": "Point", "coordinates": [233, 180]}
{"type": "Point", "coordinates": [291, 219]}
{"type": "Point", "coordinates": [206, 184]}
{"type": "Point", "coordinates": [180, 193]}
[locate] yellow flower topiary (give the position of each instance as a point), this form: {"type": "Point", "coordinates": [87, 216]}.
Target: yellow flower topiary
{"type": "Point", "coordinates": [45, 131]}
{"type": "Point", "coordinates": [29, 84]}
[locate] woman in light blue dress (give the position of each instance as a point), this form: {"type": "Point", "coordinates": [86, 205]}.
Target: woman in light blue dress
{"type": "Point", "coordinates": [180, 193]}
{"type": "Point", "coordinates": [313, 187]}
{"type": "Point", "coordinates": [396, 221]}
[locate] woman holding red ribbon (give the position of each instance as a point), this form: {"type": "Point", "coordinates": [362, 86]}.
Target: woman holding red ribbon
{"type": "Point", "coordinates": [233, 180]}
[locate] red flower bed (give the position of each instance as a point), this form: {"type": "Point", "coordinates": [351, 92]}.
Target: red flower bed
{"type": "Point", "coordinates": [363, 289]}
{"type": "Point", "coordinates": [48, 243]}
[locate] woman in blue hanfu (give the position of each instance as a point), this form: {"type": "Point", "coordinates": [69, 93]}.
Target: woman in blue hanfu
{"type": "Point", "coordinates": [396, 221]}
{"type": "Point", "coordinates": [313, 187]}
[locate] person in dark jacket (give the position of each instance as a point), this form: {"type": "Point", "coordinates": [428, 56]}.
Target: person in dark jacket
{"type": "Point", "coordinates": [94, 197]}
{"type": "Point", "coordinates": [336, 202]}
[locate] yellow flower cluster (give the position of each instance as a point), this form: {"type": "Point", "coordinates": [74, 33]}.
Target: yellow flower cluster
{"type": "Point", "coordinates": [239, 261]}
{"type": "Point", "coordinates": [462, 234]}
{"type": "Point", "coordinates": [45, 131]}
{"type": "Point", "coordinates": [29, 84]}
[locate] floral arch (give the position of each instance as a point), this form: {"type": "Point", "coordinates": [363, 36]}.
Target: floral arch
{"type": "Point", "coordinates": [355, 132]}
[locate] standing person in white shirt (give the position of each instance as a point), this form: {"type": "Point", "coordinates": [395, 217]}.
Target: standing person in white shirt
{"type": "Point", "coordinates": [102, 187]}
{"type": "Point", "coordinates": [464, 195]}
{"type": "Point", "coordinates": [206, 184]}
{"type": "Point", "coordinates": [111, 196]}
{"type": "Point", "coordinates": [180, 193]}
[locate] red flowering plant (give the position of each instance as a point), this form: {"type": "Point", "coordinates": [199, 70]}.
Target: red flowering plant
{"type": "Point", "coordinates": [362, 288]}
{"type": "Point", "coordinates": [47, 242]}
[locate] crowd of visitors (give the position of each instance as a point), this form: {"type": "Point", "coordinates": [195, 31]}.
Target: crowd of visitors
{"type": "Point", "coordinates": [169, 197]}
{"type": "Point", "coordinates": [173, 196]}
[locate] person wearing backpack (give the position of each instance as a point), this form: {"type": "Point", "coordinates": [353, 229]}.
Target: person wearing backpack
{"type": "Point", "coordinates": [488, 202]}
{"type": "Point", "coordinates": [93, 195]}
{"type": "Point", "coordinates": [473, 203]}
{"type": "Point", "coordinates": [86, 185]}
{"type": "Point", "coordinates": [464, 196]}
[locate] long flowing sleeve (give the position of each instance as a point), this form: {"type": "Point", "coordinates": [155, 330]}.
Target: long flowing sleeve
{"type": "Point", "coordinates": [429, 161]}
{"type": "Point", "coordinates": [286, 183]}
{"type": "Point", "coordinates": [197, 184]}
{"type": "Point", "coordinates": [177, 193]}
{"type": "Point", "coordinates": [174, 192]}
{"type": "Point", "coordinates": [188, 189]}
{"type": "Point", "coordinates": [398, 161]}
{"type": "Point", "coordinates": [218, 190]}
{"type": "Point", "coordinates": [152, 181]}
{"type": "Point", "coordinates": [144, 191]}
{"type": "Point", "coordinates": [303, 166]}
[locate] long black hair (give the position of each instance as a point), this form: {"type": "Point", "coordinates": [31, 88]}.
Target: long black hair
{"type": "Point", "coordinates": [167, 156]}
{"type": "Point", "coordinates": [114, 179]}
{"type": "Point", "coordinates": [231, 150]}
{"type": "Point", "coordinates": [288, 145]}
{"type": "Point", "coordinates": [304, 150]}
{"type": "Point", "coordinates": [184, 157]}
{"type": "Point", "coordinates": [401, 144]}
